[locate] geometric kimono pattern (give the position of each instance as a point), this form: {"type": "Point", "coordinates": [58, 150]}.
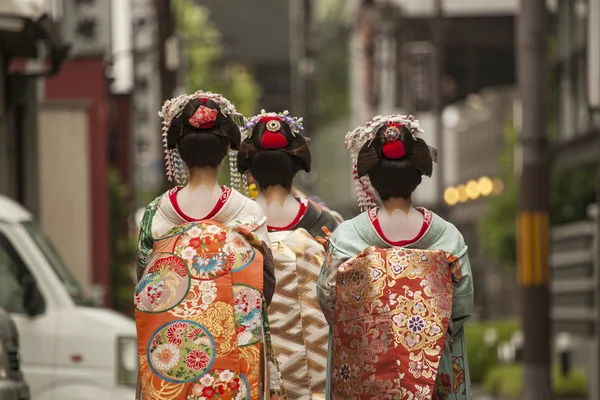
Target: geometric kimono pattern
{"type": "Point", "coordinates": [299, 328]}
{"type": "Point", "coordinates": [391, 317]}
{"type": "Point", "coordinates": [199, 315]}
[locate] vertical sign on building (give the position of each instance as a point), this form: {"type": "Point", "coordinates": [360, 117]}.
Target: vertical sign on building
{"type": "Point", "coordinates": [87, 26]}
{"type": "Point", "coordinates": [419, 76]}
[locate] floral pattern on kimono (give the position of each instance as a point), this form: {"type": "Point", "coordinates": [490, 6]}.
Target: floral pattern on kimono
{"type": "Point", "coordinates": [202, 337]}
{"type": "Point", "coordinates": [354, 236]}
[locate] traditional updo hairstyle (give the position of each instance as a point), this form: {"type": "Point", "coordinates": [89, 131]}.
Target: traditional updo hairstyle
{"type": "Point", "coordinates": [395, 161]}
{"type": "Point", "coordinates": [202, 134]}
{"type": "Point", "coordinates": [274, 151]}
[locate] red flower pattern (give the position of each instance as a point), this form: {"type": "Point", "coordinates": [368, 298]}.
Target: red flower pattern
{"type": "Point", "coordinates": [234, 384]}
{"type": "Point", "coordinates": [209, 392]}
{"type": "Point", "coordinates": [195, 242]}
{"type": "Point", "coordinates": [197, 360]}
{"type": "Point", "coordinates": [175, 331]}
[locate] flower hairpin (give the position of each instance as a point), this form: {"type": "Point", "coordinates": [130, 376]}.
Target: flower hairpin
{"type": "Point", "coordinates": [294, 123]}
{"type": "Point", "coordinates": [391, 133]}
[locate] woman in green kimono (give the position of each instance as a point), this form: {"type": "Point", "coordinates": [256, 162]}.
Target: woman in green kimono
{"type": "Point", "coordinates": [396, 286]}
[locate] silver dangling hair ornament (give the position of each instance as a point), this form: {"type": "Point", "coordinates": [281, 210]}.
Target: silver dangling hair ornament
{"type": "Point", "coordinates": [238, 181]}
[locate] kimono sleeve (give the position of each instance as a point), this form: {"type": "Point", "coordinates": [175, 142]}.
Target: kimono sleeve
{"type": "Point", "coordinates": [327, 280]}
{"type": "Point", "coordinates": [145, 240]}
{"type": "Point", "coordinates": [268, 264]}
{"type": "Point", "coordinates": [462, 305]}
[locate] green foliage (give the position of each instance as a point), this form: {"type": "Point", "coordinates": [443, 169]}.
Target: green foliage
{"type": "Point", "coordinates": [122, 248]}
{"type": "Point", "coordinates": [482, 357]}
{"type": "Point", "coordinates": [333, 64]}
{"type": "Point", "coordinates": [207, 70]}
{"type": "Point", "coordinates": [507, 381]}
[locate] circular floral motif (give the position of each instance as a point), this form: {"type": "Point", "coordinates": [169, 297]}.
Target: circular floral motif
{"type": "Point", "coordinates": [247, 308]}
{"type": "Point", "coordinates": [202, 247]}
{"type": "Point", "coordinates": [218, 383]}
{"type": "Point", "coordinates": [416, 324]}
{"type": "Point", "coordinates": [181, 351]}
{"type": "Point", "coordinates": [240, 251]}
{"type": "Point", "coordinates": [164, 284]}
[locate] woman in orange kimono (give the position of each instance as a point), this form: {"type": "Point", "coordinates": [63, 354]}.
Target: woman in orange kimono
{"type": "Point", "coordinates": [205, 270]}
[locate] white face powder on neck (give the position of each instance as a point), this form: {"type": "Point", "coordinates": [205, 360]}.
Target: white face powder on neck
{"type": "Point", "coordinates": [200, 202]}
{"type": "Point", "coordinates": [400, 225]}
{"type": "Point", "coordinates": [280, 215]}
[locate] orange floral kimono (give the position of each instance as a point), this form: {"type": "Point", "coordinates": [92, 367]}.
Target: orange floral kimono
{"type": "Point", "coordinates": [203, 332]}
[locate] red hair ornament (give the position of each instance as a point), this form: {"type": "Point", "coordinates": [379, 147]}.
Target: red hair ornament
{"type": "Point", "coordinates": [393, 147]}
{"type": "Point", "coordinates": [203, 118]}
{"type": "Point", "coordinates": [272, 138]}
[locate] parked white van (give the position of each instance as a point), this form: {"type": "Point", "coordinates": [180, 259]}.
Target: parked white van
{"type": "Point", "coordinates": [70, 350]}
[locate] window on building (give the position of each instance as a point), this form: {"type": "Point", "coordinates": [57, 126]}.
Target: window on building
{"type": "Point", "coordinates": [571, 68]}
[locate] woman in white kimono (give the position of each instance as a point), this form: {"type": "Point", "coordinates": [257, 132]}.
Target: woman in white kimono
{"type": "Point", "coordinates": [274, 151]}
{"type": "Point", "coordinates": [396, 286]}
{"type": "Point", "coordinates": [205, 269]}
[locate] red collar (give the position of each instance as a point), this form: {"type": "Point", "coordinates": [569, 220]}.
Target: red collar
{"type": "Point", "coordinates": [301, 213]}
{"type": "Point", "coordinates": [225, 193]}
{"type": "Point", "coordinates": [428, 216]}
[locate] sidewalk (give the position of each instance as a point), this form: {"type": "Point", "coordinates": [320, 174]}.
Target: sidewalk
{"type": "Point", "coordinates": [479, 394]}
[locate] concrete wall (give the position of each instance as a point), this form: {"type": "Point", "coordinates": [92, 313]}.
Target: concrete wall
{"type": "Point", "coordinates": [65, 184]}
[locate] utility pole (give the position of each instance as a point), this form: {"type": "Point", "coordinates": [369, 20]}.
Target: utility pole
{"type": "Point", "coordinates": [438, 101]}
{"type": "Point", "coordinates": [533, 239]}
{"type": "Point", "coordinates": [168, 78]}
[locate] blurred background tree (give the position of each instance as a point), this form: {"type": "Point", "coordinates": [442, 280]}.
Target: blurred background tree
{"type": "Point", "coordinates": [332, 60]}
{"type": "Point", "coordinates": [206, 67]}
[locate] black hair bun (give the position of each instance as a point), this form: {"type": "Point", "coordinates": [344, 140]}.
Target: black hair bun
{"type": "Point", "coordinates": [273, 154]}
{"type": "Point", "coordinates": [414, 150]}
{"type": "Point", "coordinates": [274, 135]}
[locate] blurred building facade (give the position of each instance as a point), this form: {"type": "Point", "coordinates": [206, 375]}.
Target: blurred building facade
{"type": "Point", "coordinates": [577, 67]}
{"type": "Point", "coordinates": [30, 47]}
{"type": "Point", "coordinates": [478, 50]}
{"type": "Point", "coordinates": [261, 40]}
{"type": "Point", "coordinates": [65, 123]}
{"type": "Point", "coordinates": [148, 153]}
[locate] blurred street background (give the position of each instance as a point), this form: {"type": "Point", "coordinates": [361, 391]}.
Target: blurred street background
{"type": "Point", "coordinates": [82, 81]}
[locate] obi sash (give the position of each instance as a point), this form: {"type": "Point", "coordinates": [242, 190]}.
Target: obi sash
{"type": "Point", "coordinates": [298, 326]}
{"type": "Point", "coordinates": [200, 317]}
{"type": "Point", "coordinates": [392, 311]}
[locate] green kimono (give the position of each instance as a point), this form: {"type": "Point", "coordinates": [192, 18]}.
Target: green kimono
{"type": "Point", "coordinates": [355, 236]}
